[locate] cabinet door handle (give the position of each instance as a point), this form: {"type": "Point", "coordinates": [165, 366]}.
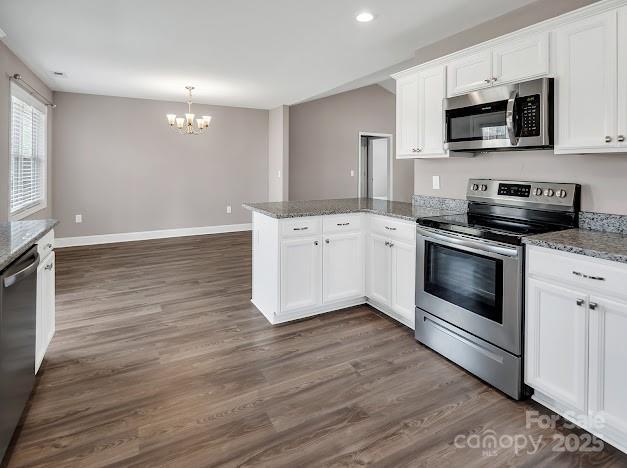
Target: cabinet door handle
{"type": "Point", "coordinates": [387, 244]}
{"type": "Point", "coordinates": [593, 305]}
{"type": "Point", "coordinates": [315, 242]}
{"type": "Point", "coordinates": [301, 228]}
{"type": "Point", "coordinates": [597, 278]}
{"type": "Point", "coordinates": [621, 138]}
{"type": "Point", "coordinates": [390, 228]}
{"type": "Point", "coordinates": [327, 241]}
{"type": "Point", "coordinates": [343, 224]}
{"type": "Point", "coordinates": [390, 244]}
{"type": "Point", "coordinates": [494, 79]}
{"type": "Point", "coordinates": [580, 302]}
{"type": "Point", "coordinates": [608, 139]}
{"type": "Point", "coordinates": [578, 273]}
{"type": "Point", "coordinates": [49, 246]}
{"type": "Point", "coordinates": [487, 80]}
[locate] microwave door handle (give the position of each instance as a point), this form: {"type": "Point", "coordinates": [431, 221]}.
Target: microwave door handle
{"type": "Point", "coordinates": [509, 118]}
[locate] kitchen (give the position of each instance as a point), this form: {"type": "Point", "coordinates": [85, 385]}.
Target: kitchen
{"type": "Point", "coordinates": [477, 320]}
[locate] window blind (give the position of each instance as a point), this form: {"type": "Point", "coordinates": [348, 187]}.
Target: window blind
{"type": "Point", "coordinates": [28, 151]}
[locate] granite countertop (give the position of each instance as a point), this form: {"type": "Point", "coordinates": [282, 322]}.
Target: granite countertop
{"type": "Point", "coordinates": [606, 245]}
{"type": "Point", "coordinates": [16, 237]}
{"type": "Point", "coordinates": [296, 209]}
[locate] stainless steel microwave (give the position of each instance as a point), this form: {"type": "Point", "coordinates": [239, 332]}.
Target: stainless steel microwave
{"type": "Point", "coordinates": [511, 117]}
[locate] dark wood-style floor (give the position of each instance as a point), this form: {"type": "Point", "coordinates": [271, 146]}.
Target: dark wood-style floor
{"type": "Point", "coordinates": [160, 359]}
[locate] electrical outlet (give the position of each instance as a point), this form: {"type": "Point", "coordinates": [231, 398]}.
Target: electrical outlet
{"type": "Point", "coordinates": [78, 218]}
{"type": "Point", "coordinates": [436, 182]}
{"type": "Point", "coordinates": [352, 173]}
{"type": "Point", "coordinates": [228, 209]}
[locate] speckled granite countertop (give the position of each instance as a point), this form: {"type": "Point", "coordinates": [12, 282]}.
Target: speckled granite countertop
{"type": "Point", "coordinates": [296, 209]}
{"type": "Point", "coordinates": [17, 237]}
{"type": "Point", "coordinates": [606, 245]}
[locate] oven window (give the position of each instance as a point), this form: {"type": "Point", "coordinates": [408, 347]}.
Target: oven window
{"type": "Point", "coordinates": [470, 281]}
{"type": "Point", "coordinates": [483, 122]}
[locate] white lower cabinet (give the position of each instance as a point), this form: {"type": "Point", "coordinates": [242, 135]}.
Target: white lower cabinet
{"type": "Point", "coordinates": [311, 265]}
{"type": "Point", "coordinates": [301, 274]}
{"type": "Point", "coordinates": [45, 308]}
{"type": "Point", "coordinates": [343, 266]}
{"type": "Point", "coordinates": [575, 332]}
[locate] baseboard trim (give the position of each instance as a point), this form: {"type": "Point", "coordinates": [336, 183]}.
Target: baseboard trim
{"type": "Point", "coordinates": [147, 235]}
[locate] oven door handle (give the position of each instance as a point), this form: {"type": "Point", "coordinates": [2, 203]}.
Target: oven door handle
{"type": "Point", "coordinates": [509, 118]}
{"type": "Point", "coordinates": [456, 240]}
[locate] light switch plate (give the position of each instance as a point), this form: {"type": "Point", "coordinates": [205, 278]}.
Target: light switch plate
{"type": "Point", "coordinates": [78, 218]}
{"type": "Point", "coordinates": [436, 182]}
{"type": "Point", "coordinates": [228, 209]}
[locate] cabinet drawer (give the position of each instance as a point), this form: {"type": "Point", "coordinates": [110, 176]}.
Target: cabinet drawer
{"type": "Point", "coordinates": [590, 274]}
{"type": "Point", "coordinates": [45, 245]}
{"type": "Point", "coordinates": [296, 227]}
{"type": "Point", "coordinates": [341, 223]}
{"type": "Point", "coordinates": [390, 227]}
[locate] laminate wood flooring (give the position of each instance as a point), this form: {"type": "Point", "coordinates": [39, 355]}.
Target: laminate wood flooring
{"type": "Point", "coordinates": [160, 359]}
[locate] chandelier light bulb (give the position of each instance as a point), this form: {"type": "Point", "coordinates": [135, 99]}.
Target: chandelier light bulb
{"type": "Point", "coordinates": [180, 121]}
{"type": "Point", "coordinates": [171, 119]}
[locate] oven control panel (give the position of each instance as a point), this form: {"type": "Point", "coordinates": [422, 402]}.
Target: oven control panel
{"type": "Point", "coordinates": [526, 194]}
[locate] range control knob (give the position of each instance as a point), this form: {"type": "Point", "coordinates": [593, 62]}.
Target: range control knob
{"type": "Point", "coordinates": [549, 192]}
{"type": "Point", "coordinates": [483, 187]}
{"type": "Point", "coordinates": [538, 192]}
{"type": "Point", "coordinates": [561, 193]}
{"type": "Point", "coordinates": [475, 187]}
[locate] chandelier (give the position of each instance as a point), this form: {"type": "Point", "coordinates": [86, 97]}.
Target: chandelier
{"type": "Point", "coordinates": [185, 125]}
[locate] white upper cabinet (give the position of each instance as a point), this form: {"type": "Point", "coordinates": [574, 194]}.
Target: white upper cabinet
{"type": "Point", "coordinates": [521, 59]}
{"type": "Point", "coordinates": [516, 59]}
{"type": "Point", "coordinates": [431, 94]}
{"type": "Point", "coordinates": [586, 87]}
{"type": "Point", "coordinates": [621, 138]}
{"type": "Point", "coordinates": [470, 72]}
{"type": "Point", "coordinates": [407, 116]}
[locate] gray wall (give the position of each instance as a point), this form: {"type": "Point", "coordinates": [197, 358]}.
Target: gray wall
{"type": "Point", "coordinates": [278, 153]}
{"type": "Point", "coordinates": [9, 65]}
{"type": "Point", "coordinates": [324, 143]}
{"type": "Point", "coordinates": [119, 165]}
{"type": "Point", "coordinates": [603, 177]}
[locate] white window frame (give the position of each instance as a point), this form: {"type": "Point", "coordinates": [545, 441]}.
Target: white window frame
{"type": "Point", "coordinates": [23, 95]}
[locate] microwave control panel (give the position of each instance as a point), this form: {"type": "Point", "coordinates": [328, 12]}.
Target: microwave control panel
{"type": "Point", "coordinates": [529, 115]}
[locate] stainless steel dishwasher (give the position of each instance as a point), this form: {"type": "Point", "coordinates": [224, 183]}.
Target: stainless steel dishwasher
{"type": "Point", "coordinates": [18, 297]}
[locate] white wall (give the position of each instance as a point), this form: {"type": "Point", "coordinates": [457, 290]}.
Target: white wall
{"type": "Point", "coordinates": [278, 153]}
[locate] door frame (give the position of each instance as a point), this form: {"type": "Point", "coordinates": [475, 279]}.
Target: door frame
{"type": "Point", "coordinates": [390, 139]}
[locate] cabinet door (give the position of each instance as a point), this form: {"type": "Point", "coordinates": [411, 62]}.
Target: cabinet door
{"type": "Point", "coordinates": [403, 280]}
{"type": "Point", "coordinates": [608, 355]}
{"type": "Point", "coordinates": [45, 315]}
{"type": "Point", "coordinates": [407, 116]}
{"type": "Point", "coordinates": [343, 266]}
{"type": "Point", "coordinates": [301, 273]}
{"type": "Point", "coordinates": [622, 79]}
{"type": "Point", "coordinates": [556, 356]}
{"type": "Point", "coordinates": [379, 269]}
{"type": "Point", "coordinates": [469, 73]}
{"type": "Point", "coordinates": [431, 93]}
{"type": "Point", "coordinates": [520, 60]}
{"type": "Point", "coordinates": [586, 87]}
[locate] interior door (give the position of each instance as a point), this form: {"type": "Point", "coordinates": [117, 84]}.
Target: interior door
{"type": "Point", "coordinates": [608, 355]}
{"type": "Point", "coordinates": [301, 273]}
{"type": "Point", "coordinates": [431, 93]}
{"type": "Point", "coordinates": [403, 297]}
{"type": "Point", "coordinates": [556, 356]}
{"type": "Point", "coordinates": [407, 116]}
{"type": "Point", "coordinates": [586, 55]}
{"type": "Point", "coordinates": [343, 266]}
{"type": "Point", "coordinates": [379, 269]}
{"type": "Point", "coordinates": [521, 59]}
{"type": "Point", "coordinates": [469, 73]}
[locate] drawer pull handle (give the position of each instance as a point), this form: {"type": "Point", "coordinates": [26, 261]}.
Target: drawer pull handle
{"type": "Point", "coordinates": [390, 228]}
{"type": "Point", "coordinates": [593, 305]}
{"type": "Point", "coordinates": [49, 266]}
{"type": "Point", "coordinates": [49, 246]}
{"type": "Point", "coordinates": [343, 224]}
{"type": "Point", "coordinates": [301, 228]}
{"type": "Point", "coordinates": [390, 244]}
{"type": "Point", "coordinates": [596, 278]}
{"type": "Point", "coordinates": [580, 302]}
{"type": "Point", "coordinates": [387, 244]}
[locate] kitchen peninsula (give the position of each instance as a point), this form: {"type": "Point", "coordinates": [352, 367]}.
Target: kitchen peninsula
{"type": "Point", "coordinates": [311, 257]}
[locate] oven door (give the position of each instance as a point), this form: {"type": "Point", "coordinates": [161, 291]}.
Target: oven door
{"type": "Point", "coordinates": [472, 284]}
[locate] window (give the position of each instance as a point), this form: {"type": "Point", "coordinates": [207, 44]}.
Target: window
{"type": "Point", "coordinates": [28, 145]}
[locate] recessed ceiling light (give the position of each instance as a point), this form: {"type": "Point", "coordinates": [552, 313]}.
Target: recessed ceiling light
{"type": "Point", "coordinates": [364, 17]}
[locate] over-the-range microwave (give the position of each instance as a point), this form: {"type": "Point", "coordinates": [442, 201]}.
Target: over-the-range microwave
{"type": "Point", "coordinates": [511, 117]}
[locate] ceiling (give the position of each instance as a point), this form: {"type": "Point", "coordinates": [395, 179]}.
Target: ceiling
{"type": "Point", "coordinates": [250, 53]}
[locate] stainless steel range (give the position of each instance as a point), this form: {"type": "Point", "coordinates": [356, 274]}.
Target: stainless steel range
{"type": "Point", "coordinates": [470, 274]}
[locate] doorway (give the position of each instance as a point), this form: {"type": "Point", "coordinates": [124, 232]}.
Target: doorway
{"type": "Point", "coordinates": [375, 166]}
